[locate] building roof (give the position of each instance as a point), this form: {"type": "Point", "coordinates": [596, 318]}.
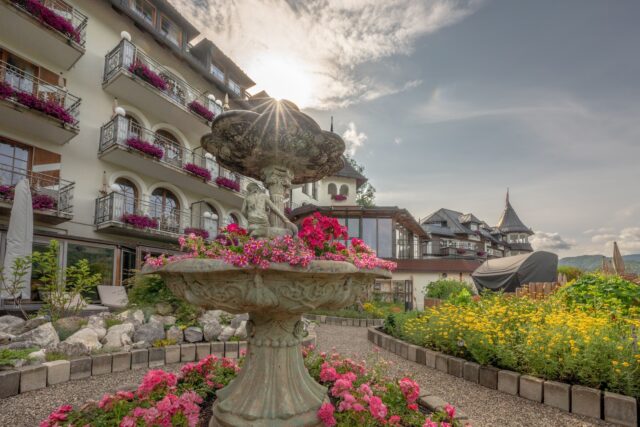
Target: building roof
{"type": "Point", "coordinates": [165, 7]}
{"type": "Point", "coordinates": [438, 265]}
{"type": "Point", "coordinates": [469, 218]}
{"type": "Point", "coordinates": [509, 222]}
{"type": "Point", "coordinates": [348, 171]}
{"type": "Point", "coordinates": [219, 57]}
{"type": "Point", "coordinates": [454, 226]}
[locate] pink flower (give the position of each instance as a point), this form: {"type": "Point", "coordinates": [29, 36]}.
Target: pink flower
{"type": "Point", "coordinates": [450, 410]}
{"type": "Point", "coordinates": [429, 423]}
{"type": "Point", "coordinates": [410, 389]}
{"type": "Point", "coordinates": [377, 409]}
{"type": "Point", "coordinates": [325, 413]}
{"type": "Point", "coordinates": [394, 420]}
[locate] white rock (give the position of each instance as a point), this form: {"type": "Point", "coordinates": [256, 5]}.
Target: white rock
{"type": "Point", "coordinates": [87, 337]}
{"type": "Point", "coordinates": [211, 330]}
{"type": "Point", "coordinates": [163, 320]}
{"type": "Point", "coordinates": [38, 356]}
{"type": "Point", "coordinates": [8, 321]}
{"type": "Point", "coordinates": [193, 334]}
{"type": "Point", "coordinates": [98, 324]}
{"type": "Point", "coordinates": [210, 316]}
{"type": "Point", "coordinates": [5, 338]}
{"type": "Point", "coordinates": [174, 333]}
{"type": "Point", "coordinates": [241, 332]}
{"type": "Point", "coordinates": [226, 333]}
{"type": "Point", "coordinates": [119, 335]}
{"type": "Point", "coordinates": [133, 316]}
{"type": "Point", "coordinates": [44, 336]}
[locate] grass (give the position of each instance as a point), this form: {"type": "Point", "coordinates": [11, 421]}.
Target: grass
{"type": "Point", "coordinates": [8, 357]}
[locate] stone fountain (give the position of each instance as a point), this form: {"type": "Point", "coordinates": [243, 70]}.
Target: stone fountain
{"type": "Point", "coordinates": [278, 145]}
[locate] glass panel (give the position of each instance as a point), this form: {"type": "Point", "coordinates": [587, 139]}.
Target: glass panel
{"type": "Point", "coordinates": [100, 261]}
{"type": "Point", "coordinates": [170, 30]}
{"type": "Point", "coordinates": [384, 238]}
{"type": "Point", "coordinates": [353, 224]}
{"type": "Point", "coordinates": [128, 265]}
{"type": "Point", "coordinates": [369, 232]}
{"type": "Point", "coordinates": [217, 72]}
{"type": "Point", "coordinates": [36, 283]}
{"type": "Point", "coordinates": [235, 88]}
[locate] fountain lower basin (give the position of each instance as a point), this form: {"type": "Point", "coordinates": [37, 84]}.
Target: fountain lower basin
{"type": "Point", "coordinates": [273, 388]}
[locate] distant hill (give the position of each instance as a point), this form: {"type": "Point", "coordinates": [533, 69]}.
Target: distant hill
{"type": "Point", "coordinates": [594, 262]}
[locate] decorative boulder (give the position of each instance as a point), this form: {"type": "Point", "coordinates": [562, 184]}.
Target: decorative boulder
{"type": "Point", "coordinates": [241, 332]}
{"type": "Point", "coordinates": [163, 320]}
{"type": "Point", "coordinates": [227, 332]}
{"type": "Point", "coordinates": [68, 326]}
{"type": "Point", "coordinates": [174, 333]}
{"type": "Point", "coordinates": [72, 349]}
{"type": "Point", "coordinates": [119, 335]}
{"type": "Point", "coordinates": [44, 336]}
{"type": "Point", "coordinates": [37, 356]}
{"type": "Point", "coordinates": [237, 321]}
{"type": "Point", "coordinates": [211, 330]}
{"type": "Point", "coordinates": [5, 338]}
{"type": "Point", "coordinates": [27, 326]}
{"type": "Point", "coordinates": [86, 337]}
{"type": "Point", "coordinates": [164, 309]}
{"type": "Point", "coordinates": [134, 316]}
{"type": "Point", "coordinates": [193, 334]}
{"type": "Point", "coordinates": [98, 324]}
{"type": "Point", "coordinates": [149, 333]}
{"type": "Point", "coordinates": [210, 316]}
{"type": "Point", "coordinates": [7, 322]}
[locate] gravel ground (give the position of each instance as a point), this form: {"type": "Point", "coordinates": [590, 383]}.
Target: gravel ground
{"type": "Point", "coordinates": [485, 407]}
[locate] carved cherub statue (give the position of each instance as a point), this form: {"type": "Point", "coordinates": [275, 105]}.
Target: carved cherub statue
{"type": "Point", "coordinates": [255, 208]}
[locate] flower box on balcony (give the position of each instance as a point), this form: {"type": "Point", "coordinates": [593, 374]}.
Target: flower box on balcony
{"type": "Point", "coordinates": [339, 197]}
{"type": "Point", "coordinates": [50, 18]}
{"type": "Point", "coordinates": [48, 107]}
{"type": "Point", "coordinates": [228, 183]}
{"type": "Point", "coordinates": [201, 110]}
{"type": "Point", "coordinates": [461, 251]}
{"type": "Point", "coordinates": [199, 232]}
{"type": "Point", "coordinates": [6, 192]}
{"type": "Point", "coordinates": [481, 253]}
{"type": "Point", "coordinates": [199, 171]}
{"type": "Point", "coordinates": [43, 201]}
{"type": "Point", "coordinates": [141, 70]}
{"type": "Point", "coordinates": [145, 147]}
{"type": "Point", "coordinates": [139, 221]}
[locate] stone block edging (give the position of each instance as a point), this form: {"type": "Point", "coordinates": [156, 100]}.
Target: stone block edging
{"type": "Point", "coordinates": [581, 400]}
{"type": "Point", "coordinates": [34, 377]}
{"type": "Point", "coordinates": [344, 321]}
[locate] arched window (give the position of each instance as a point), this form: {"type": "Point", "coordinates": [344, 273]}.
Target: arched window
{"type": "Point", "coordinates": [232, 219]}
{"type": "Point", "coordinates": [164, 206]}
{"type": "Point", "coordinates": [344, 190]}
{"type": "Point", "coordinates": [170, 145]}
{"type": "Point", "coordinates": [210, 220]}
{"type": "Point", "coordinates": [333, 189]}
{"type": "Point", "coordinates": [129, 193]}
{"type": "Point", "coordinates": [134, 127]}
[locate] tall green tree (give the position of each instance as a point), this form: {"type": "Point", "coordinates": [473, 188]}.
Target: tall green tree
{"type": "Point", "coordinates": [366, 195]}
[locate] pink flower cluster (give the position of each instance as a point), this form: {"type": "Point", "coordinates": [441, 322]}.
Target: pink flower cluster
{"type": "Point", "coordinates": [222, 181]}
{"type": "Point", "coordinates": [139, 221]}
{"type": "Point", "coordinates": [52, 19]}
{"type": "Point", "coordinates": [7, 192]}
{"type": "Point", "coordinates": [43, 201]}
{"type": "Point", "coordinates": [56, 417]}
{"type": "Point", "coordinates": [339, 197]}
{"type": "Point", "coordinates": [196, 170]}
{"type": "Point", "coordinates": [143, 71]}
{"type": "Point", "coordinates": [201, 110]}
{"type": "Point", "coordinates": [49, 107]}
{"type": "Point", "coordinates": [145, 147]}
{"type": "Point", "coordinates": [319, 233]}
{"type": "Point", "coordinates": [198, 232]}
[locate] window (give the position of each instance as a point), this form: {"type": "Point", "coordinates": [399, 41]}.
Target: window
{"type": "Point", "coordinates": [314, 190]}
{"type": "Point", "coordinates": [385, 245]}
{"type": "Point", "coordinates": [145, 10]}
{"type": "Point", "coordinates": [14, 162]}
{"type": "Point", "coordinates": [332, 189]}
{"type": "Point", "coordinates": [306, 189]}
{"type": "Point", "coordinates": [344, 190]}
{"type": "Point", "coordinates": [353, 226]}
{"type": "Point", "coordinates": [130, 195]}
{"type": "Point", "coordinates": [101, 260]}
{"type": "Point", "coordinates": [232, 219]}
{"type": "Point", "coordinates": [135, 130]}
{"type": "Point", "coordinates": [170, 145]}
{"type": "Point", "coordinates": [235, 87]}
{"type": "Point", "coordinates": [217, 72]}
{"type": "Point", "coordinates": [210, 220]}
{"type": "Point", "coordinates": [369, 232]}
{"type": "Point", "coordinates": [165, 207]}
{"type": "Point", "coordinates": [170, 30]}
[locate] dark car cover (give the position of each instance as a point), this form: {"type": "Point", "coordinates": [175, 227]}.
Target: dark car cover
{"type": "Point", "coordinates": [508, 273]}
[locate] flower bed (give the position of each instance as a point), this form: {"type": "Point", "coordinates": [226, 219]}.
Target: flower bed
{"type": "Point", "coordinates": [221, 181]}
{"type": "Point", "coordinates": [199, 232]}
{"type": "Point", "coordinates": [48, 107]}
{"type": "Point", "coordinates": [201, 110]}
{"type": "Point", "coordinates": [52, 19]}
{"type": "Point", "coordinates": [315, 241]}
{"type": "Point", "coordinates": [141, 70]}
{"type": "Point", "coordinates": [139, 221]}
{"type": "Point", "coordinates": [358, 395]}
{"type": "Point", "coordinates": [339, 197]}
{"type": "Point", "coordinates": [199, 171]}
{"type": "Point", "coordinates": [555, 338]}
{"type": "Point", "coordinates": [145, 147]}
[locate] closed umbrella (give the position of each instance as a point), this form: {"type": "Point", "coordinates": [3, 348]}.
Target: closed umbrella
{"type": "Point", "coordinates": [20, 235]}
{"type": "Point", "coordinates": [618, 261]}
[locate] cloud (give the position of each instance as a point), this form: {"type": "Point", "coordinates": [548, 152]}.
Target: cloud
{"type": "Point", "coordinates": [599, 230]}
{"type": "Point", "coordinates": [353, 139]}
{"type": "Point", "coordinates": [321, 47]}
{"type": "Point", "coordinates": [397, 140]}
{"type": "Point", "coordinates": [550, 241]}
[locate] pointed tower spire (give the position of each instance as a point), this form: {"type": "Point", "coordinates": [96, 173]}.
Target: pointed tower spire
{"type": "Point", "coordinates": [507, 196]}
{"type": "Point", "coordinates": [331, 123]}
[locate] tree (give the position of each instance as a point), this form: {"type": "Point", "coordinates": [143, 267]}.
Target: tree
{"type": "Point", "coordinates": [366, 194]}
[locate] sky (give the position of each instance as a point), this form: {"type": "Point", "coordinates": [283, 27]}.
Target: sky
{"type": "Point", "coordinates": [447, 103]}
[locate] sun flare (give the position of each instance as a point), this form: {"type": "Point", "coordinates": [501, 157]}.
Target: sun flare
{"type": "Point", "coordinates": [284, 77]}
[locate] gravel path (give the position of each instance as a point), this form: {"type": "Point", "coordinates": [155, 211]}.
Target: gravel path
{"type": "Point", "coordinates": [485, 407]}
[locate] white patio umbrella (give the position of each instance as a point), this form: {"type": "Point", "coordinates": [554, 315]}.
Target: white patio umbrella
{"type": "Point", "coordinates": [618, 261]}
{"type": "Point", "coordinates": [20, 234]}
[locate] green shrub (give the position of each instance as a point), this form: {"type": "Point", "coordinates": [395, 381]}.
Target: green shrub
{"type": "Point", "coordinates": [8, 356]}
{"type": "Point", "coordinates": [598, 291]}
{"type": "Point", "coordinates": [571, 273]}
{"type": "Point", "coordinates": [164, 343]}
{"type": "Point", "coordinates": [51, 356]}
{"type": "Point", "coordinates": [112, 321]}
{"type": "Point", "coordinates": [445, 288]}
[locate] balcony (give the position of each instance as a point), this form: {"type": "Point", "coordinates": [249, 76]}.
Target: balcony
{"type": "Point", "coordinates": [52, 196]}
{"type": "Point", "coordinates": [132, 75]}
{"type": "Point", "coordinates": [34, 107]}
{"type": "Point", "coordinates": [118, 214]}
{"type": "Point", "coordinates": [521, 246]}
{"type": "Point", "coordinates": [51, 29]}
{"type": "Point", "coordinates": [165, 160]}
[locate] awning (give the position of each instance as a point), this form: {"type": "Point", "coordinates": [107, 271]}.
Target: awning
{"type": "Point", "coordinates": [508, 273]}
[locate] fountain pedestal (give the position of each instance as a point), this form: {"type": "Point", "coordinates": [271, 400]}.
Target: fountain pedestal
{"type": "Point", "coordinates": [273, 388]}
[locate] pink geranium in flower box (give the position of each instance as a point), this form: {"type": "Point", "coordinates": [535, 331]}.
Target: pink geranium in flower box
{"type": "Point", "coordinates": [228, 183]}
{"type": "Point", "coordinates": [198, 232]}
{"type": "Point", "coordinates": [145, 147]}
{"type": "Point", "coordinates": [141, 70]}
{"type": "Point", "coordinates": [139, 221]}
{"type": "Point", "coordinates": [339, 197]}
{"type": "Point", "coordinates": [43, 201]}
{"type": "Point", "coordinates": [201, 110]}
{"type": "Point", "coordinates": [6, 192]}
{"type": "Point", "coordinates": [52, 19]}
{"type": "Point", "coordinates": [196, 170]}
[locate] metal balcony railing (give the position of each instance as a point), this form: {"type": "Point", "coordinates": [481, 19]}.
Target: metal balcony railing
{"type": "Point", "coordinates": [74, 28]}
{"type": "Point", "coordinates": [26, 88]}
{"type": "Point", "coordinates": [141, 214]}
{"type": "Point", "coordinates": [46, 190]}
{"type": "Point", "coordinates": [126, 55]}
{"type": "Point", "coordinates": [120, 129]}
